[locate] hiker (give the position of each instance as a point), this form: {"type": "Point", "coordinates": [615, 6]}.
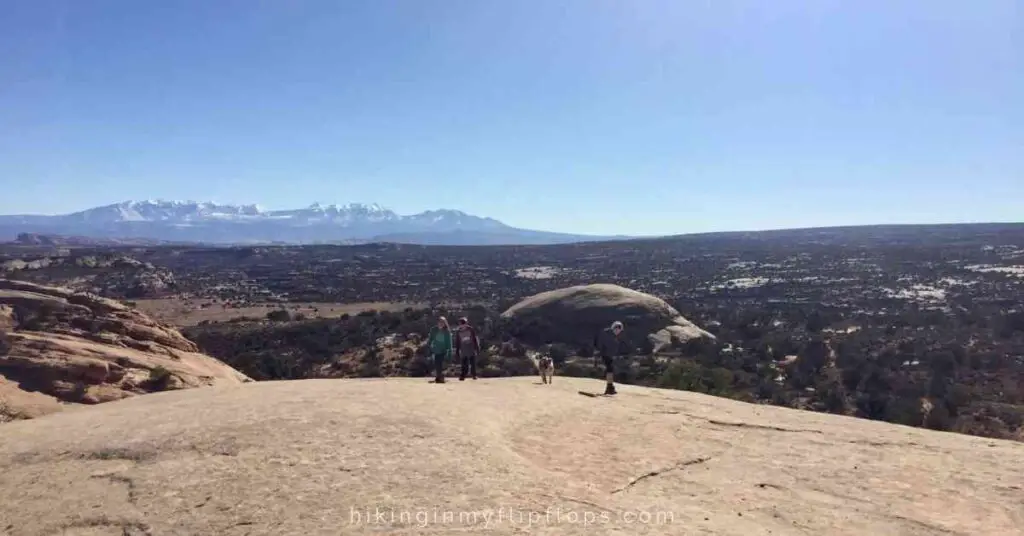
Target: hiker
{"type": "Point", "coordinates": [467, 347]}
{"type": "Point", "coordinates": [546, 366]}
{"type": "Point", "coordinates": [608, 345]}
{"type": "Point", "coordinates": [440, 343]}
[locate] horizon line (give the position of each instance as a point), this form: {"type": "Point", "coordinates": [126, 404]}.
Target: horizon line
{"type": "Point", "coordinates": [603, 239]}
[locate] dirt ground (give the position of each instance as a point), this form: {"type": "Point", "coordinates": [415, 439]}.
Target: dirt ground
{"type": "Point", "coordinates": [501, 456]}
{"type": "Point", "coordinates": [183, 312]}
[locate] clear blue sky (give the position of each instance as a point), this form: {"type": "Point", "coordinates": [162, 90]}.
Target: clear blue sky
{"type": "Point", "coordinates": [595, 116]}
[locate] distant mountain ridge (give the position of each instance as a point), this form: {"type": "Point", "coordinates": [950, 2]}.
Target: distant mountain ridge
{"type": "Point", "coordinates": [55, 240]}
{"type": "Point", "coordinates": [207, 222]}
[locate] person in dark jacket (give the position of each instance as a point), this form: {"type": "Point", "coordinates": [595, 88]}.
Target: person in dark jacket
{"type": "Point", "coordinates": [467, 347]}
{"type": "Point", "coordinates": [440, 343]}
{"type": "Point", "coordinates": [608, 345]}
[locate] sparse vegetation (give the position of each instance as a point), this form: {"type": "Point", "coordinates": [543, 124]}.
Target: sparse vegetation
{"type": "Point", "coordinates": [159, 378]}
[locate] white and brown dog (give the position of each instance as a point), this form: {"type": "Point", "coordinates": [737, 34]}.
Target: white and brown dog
{"type": "Point", "coordinates": [546, 367]}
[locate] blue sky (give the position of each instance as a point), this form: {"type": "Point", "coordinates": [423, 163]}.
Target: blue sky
{"type": "Point", "coordinates": [593, 116]}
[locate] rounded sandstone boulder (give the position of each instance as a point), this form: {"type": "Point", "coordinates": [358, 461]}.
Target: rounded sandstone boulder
{"type": "Point", "coordinates": [576, 314]}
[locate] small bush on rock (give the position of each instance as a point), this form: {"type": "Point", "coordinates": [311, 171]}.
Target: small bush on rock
{"type": "Point", "coordinates": [159, 378]}
{"type": "Point", "coordinates": [279, 315]}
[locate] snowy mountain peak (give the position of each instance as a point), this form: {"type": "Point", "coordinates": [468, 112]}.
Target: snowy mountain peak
{"type": "Point", "coordinates": [191, 212]}
{"type": "Point", "coordinates": [448, 219]}
{"type": "Point", "coordinates": [353, 207]}
{"type": "Point", "coordinates": [153, 210]}
{"type": "Point", "coordinates": [206, 221]}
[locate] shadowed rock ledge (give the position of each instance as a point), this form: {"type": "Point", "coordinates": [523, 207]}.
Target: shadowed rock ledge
{"type": "Point", "coordinates": [61, 346]}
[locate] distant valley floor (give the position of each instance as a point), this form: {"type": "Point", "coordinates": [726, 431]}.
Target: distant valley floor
{"type": "Point", "coordinates": [183, 312]}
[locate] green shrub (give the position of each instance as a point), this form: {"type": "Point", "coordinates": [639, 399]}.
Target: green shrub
{"type": "Point", "coordinates": [558, 353]}
{"type": "Point", "coordinates": [576, 369]}
{"type": "Point", "coordinates": [279, 315]}
{"type": "Point", "coordinates": [719, 381]}
{"type": "Point", "coordinates": [682, 374]}
{"type": "Point", "coordinates": [370, 366]}
{"type": "Point", "coordinates": [159, 378]}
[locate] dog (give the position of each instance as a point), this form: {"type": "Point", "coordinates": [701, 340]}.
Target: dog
{"type": "Point", "coordinates": [546, 367]}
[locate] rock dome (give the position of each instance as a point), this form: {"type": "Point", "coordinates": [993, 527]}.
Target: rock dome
{"type": "Point", "coordinates": [576, 314]}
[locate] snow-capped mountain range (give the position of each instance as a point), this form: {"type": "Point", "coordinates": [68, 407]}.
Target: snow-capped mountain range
{"type": "Point", "coordinates": [192, 221]}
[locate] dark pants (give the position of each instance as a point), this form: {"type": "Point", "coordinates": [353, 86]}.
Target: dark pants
{"type": "Point", "coordinates": [468, 364]}
{"type": "Point", "coordinates": [609, 369]}
{"type": "Point", "coordinates": [439, 367]}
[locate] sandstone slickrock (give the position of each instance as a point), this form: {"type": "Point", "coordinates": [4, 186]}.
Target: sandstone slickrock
{"type": "Point", "coordinates": [16, 403]}
{"type": "Point", "coordinates": [402, 456]}
{"type": "Point", "coordinates": [59, 345]}
{"type": "Point", "coordinates": [575, 314]}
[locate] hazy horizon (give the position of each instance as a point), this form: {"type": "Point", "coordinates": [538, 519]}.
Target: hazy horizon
{"type": "Point", "coordinates": [584, 117]}
{"type": "Point", "coordinates": [629, 236]}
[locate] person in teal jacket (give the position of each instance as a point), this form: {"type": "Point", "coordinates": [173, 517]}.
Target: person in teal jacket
{"type": "Point", "coordinates": [440, 343]}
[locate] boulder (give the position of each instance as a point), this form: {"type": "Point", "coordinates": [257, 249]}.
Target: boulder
{"type": "Point", "coordinates": [58, 346]}
{"type": "Point", "coordinates": [576, 314]}
{"type": "Point", "coordinates": [7, 320]}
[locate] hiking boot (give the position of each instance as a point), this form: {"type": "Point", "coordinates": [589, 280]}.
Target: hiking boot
{"type": "Point", "coordinates": [474, 377]}
{"type": "Point", "coordinates": [462, 378]}
{"type": "Point", "coordinates": [609, 389]}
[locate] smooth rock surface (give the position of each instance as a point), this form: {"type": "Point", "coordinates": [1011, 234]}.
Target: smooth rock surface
{"type": "Point", "coordinates": [576, 314]}
{"type": "Point", "coordinates": [502, 456]}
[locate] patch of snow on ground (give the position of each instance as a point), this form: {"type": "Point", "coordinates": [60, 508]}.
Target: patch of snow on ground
{"type": "Point", "coordinates": [924, 293]}
{"type": "Point", "coordinates": [988, 268]}
{"type": "Point", "coordinates": [742, 282]}
{"type": "Point", "coordinates": [387, 340]}
{"type": "Point", "coordinates": [954, 282]}
{"type": "Point", "coordinates": [847, 330]}
{"type": "Point", "coordinates": [537, 272]}
{"type": "Point", "coordinates": [818, 279]}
